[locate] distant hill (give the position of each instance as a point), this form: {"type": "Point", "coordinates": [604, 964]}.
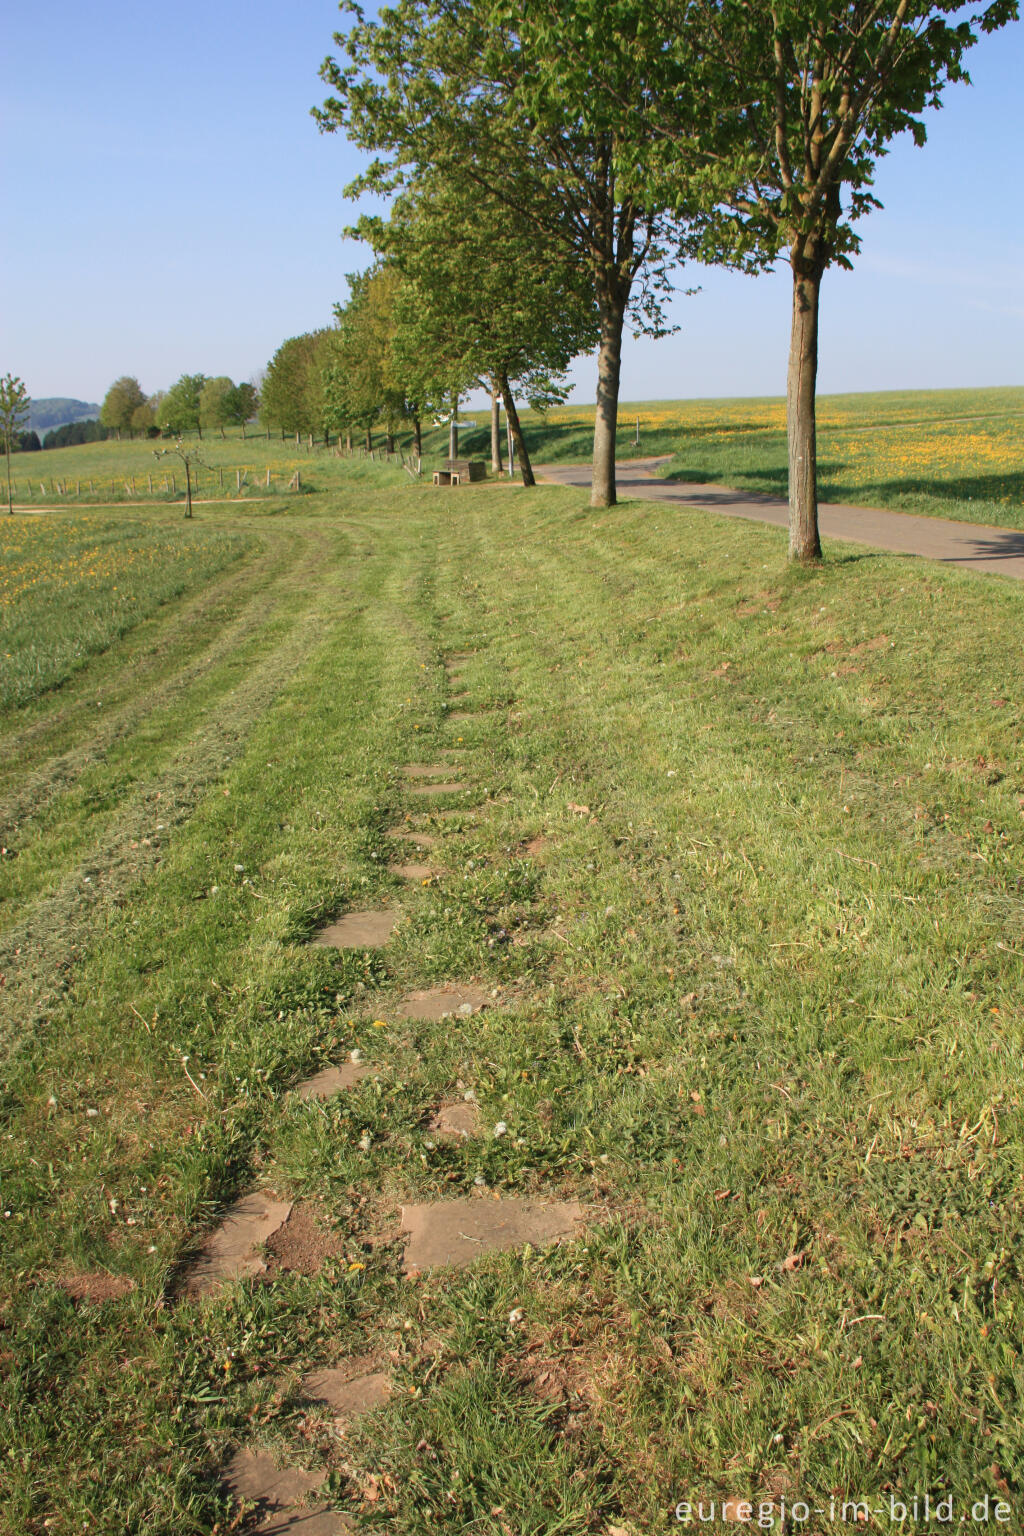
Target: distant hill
{"type": "Point", "coordinates": [56, 411]}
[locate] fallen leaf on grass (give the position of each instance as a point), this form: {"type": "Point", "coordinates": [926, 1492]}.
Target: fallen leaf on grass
{"type": "Point", "coordinates": [578, 810]}
{"type": "Point", "coordinates": [793, 1261]}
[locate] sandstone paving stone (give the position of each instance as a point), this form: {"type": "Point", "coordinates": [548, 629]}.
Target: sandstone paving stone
{"type": "Point", "coordinates": [349, 1389]}
{"type": "Point", "coordinates": [428, 791]}
{"type": "Point", "coordinates": [458, 1232]}
{"type": "Point", "coordinates": [278, 1492]}
{"type": "Point", "coordinates": [412, 871]}
{"type": "Point", "coordinates": [458, 1121]}
{"type": "Point", "coordinates": [418, 839]}
{"type": "Point", "coordinates": [358, 930]}
{"type": "Point", "coordinates": [433, 1003]}
{"type": "Point", "coordinates": [332, 1080]}
{"type": "Point", "coordinates": [233, 1251]}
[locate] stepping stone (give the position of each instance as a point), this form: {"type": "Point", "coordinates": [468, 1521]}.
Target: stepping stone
{"type": "Point", "coordinates": [418, 839]}
{"type": "Point", "coordinates": [459, 1231]}
{"type": "Point", "coordinates": [457, 1122]}
{"type": "Point", "coordinates": [461, 716]}
{"type": "Point", "coordinates": [332, 1080]}
{"type": "Point", "coordinates": [349, 1389]}
{"type": "Point", "coordinates": [439, 1002]}
{"type": "Point", "coordinates": [427, 770]}
{"type": "Point", "coordinates": [536, 845]}
{"type": "Point", "coordinates": [358, 930]}
{"type": "Point", "coordinates": [277, 1491]}
{"type": "Point", "coordinates": [436, 789]}
{"type": "Point", "coordinates": [412, 871]}
{"type": "Point", "coordinates": [233, 1250]}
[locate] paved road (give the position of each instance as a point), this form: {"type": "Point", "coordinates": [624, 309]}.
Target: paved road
{"type": "Point", "coordinates": [974, 545]}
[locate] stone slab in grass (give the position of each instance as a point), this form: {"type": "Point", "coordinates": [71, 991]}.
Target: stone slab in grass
{"type": "Point", "coordinates": [233, 1251]}
{"type": "Point", "coordinates": [278, 1493]}
{"type": "Point", "coordinates": [458, 1121]}
{"type": "Point", "coordinates": [349, 1389]}
{"type": "Point", "coordinates": [463, 716]}
{"type": "Point", "coordinates": [426, 770]}
{"type": "Point", "coordinates": [332, 1080]}
{"type": "Point", "coordinates": [358, 930]}
{"type": "Point", "coordinates": [428, 790]}
{"type": "Point", "coordinates": [435, 1003]}
{"type": "Point", "coordinates": [418, 839]}
{"type": "Point", "coordinates": [458, 1232]}
{"type": "Point", "coordinates": [412, 871]}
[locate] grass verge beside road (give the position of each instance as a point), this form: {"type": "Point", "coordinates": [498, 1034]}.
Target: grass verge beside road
{"type": "Point", "coordinates": [758, 1006]}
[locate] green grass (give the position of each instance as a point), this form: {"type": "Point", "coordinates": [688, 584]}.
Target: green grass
{"type": "Point", "coordinates": [759, 1003]}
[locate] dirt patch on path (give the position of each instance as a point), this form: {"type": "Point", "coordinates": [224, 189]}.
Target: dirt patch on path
{"type": "Point", "coordinates": [301, 1245]}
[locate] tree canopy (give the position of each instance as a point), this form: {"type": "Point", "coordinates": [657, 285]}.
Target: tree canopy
{"type": "Point", "coordinates": [292, 397]}
{"type": "Point", "coordinates": [180, 409]}
{"type": "Point", "coordinates": [120, 403]}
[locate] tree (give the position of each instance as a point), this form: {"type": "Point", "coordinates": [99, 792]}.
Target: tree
{"type": "Point", "coordinates": [14, 408]}
{"type": "Point", "coordinates": [487, 301]}
{"type": "Point", "coordinates": [217, 403]}
{"type": "Point", "coordinates": [122, 400]}
{"type": "Point", "coordinates": [189, 456]}
{"type": "Point", "coordinates": [244, 404]}
{"type": "Point", "coordinates": [179, 410]}
{"type": "Point", "coordinates": [447, 86]}
{"type": "Point", "coordinates": [144, 418]}
{"type": "Point", "coordinates": [806, 96]}
{"type": "Point", "coordinates": [292, 398]}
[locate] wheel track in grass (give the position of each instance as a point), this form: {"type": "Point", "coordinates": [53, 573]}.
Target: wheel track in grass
{"type": "Point", "coordinates": [149, 658]}
{"type": "Point", "coordinates": [35, 950]}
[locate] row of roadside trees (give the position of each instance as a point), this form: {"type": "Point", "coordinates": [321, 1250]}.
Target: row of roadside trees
{"type": "Point", "coordinates": [550, 169]}
{"type": "Point", "coordinates": [434, 318]}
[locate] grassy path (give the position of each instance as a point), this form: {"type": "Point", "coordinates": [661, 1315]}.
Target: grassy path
{"type": "Point", "coordinates": [739, 868]}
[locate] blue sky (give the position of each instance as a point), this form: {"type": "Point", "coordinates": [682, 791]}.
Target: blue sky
{"type": "Point", "coordinates": [170, 206]}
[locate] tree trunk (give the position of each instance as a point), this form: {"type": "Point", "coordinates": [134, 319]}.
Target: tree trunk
{"type": "Point", "coordinates": [609, 365]}
{"type": "Point", "coordinates": [417, 432]}
{"type": "Point", "coordinates": [517, 431]}
{"type": "Point", "coordinates": [801, 430]}
{"type": "Point", "coordinates": [453, 430]}
{"type": "Point", "coordinates": [188, 492]}
{"type": "Point", "coordinates": [495, 428]}
{"type": "Point", "coordinates": [369, 439]}
{"type": "Point", "coordinates": [10, 493]}
{"type": "Point", "coordinates": [389, 442]}
{"type": "Point", "coordinates": [348, 442]}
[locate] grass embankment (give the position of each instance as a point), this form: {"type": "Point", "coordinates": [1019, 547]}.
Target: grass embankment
{"type": "Point", "coordinates": [759, 1006]}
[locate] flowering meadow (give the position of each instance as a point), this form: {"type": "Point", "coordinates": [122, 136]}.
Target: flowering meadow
{"type": "Point", "coordinates": [69, 587]}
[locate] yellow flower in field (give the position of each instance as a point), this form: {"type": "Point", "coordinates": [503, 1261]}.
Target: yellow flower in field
{"type": "Point", "coordinates": [380, 1023]}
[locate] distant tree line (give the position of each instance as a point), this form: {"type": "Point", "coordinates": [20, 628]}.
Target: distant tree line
{"type": "Point", "coordinates": [192, 404]}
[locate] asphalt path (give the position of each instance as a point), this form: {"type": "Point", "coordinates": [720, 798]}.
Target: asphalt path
{"type": "Point", "coordinates": [975, 546]}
